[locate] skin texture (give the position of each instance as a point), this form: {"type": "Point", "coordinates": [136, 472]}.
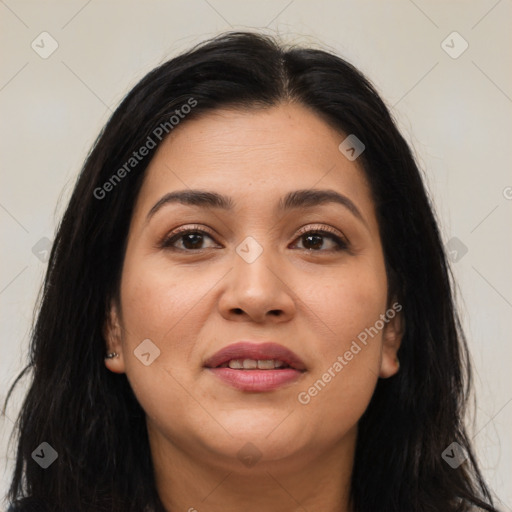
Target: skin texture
{"type": "Point", "coordinates": [192, 303]}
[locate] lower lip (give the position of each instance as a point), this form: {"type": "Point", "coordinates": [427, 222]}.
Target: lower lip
{"type": "Point", "coordinates": [256, 380]}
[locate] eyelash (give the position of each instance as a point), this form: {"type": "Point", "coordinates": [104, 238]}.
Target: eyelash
{"type": "Point", "coordinates": [325, 231]}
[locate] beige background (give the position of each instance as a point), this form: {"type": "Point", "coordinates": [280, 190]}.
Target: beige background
{"type": "Point", "coordinates": [456, 112]}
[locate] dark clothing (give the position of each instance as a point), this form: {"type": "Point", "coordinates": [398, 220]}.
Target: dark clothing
{"type": "Point", "coordinates": [27, 505]}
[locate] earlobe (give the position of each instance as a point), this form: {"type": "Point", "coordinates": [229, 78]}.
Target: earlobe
{"type": "Point", "coordinates": [391, 340]}
{"type": "Point", "coordinates": [112, 336]}
{"type": "Point", "coordinates": [389, 366]}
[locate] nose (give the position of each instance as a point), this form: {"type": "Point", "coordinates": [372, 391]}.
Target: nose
{"type": "Point", "coordinates": [257, 291]}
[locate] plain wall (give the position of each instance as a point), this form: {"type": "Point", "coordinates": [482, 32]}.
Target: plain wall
{"type": "Point", "coordinates": [456, 113]}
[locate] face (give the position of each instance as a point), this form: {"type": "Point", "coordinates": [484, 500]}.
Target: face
{"type": "Point", "coordinates": [307, 274]}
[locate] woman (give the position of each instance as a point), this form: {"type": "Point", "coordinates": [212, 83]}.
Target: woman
{"type": "Point", "coordinates": [248, 303]}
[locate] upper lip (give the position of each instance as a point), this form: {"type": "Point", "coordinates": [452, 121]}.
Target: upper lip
{"type": "Point", "coordinates": [251, 350]}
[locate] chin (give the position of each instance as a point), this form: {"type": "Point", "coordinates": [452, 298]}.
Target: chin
{"type": "Point", "coordinates": [257, 423]}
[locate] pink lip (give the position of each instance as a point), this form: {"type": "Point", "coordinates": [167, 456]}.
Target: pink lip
{"type": "Point", "coordinates": [256, 380]}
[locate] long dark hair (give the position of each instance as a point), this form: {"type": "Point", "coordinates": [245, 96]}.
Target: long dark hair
{"type": "Point", "coordinates": [90, 416]}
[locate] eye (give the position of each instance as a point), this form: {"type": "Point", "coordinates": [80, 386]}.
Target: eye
{"type": "Point", "coordinates": [313, 239]}
{"type": "Point", "coordinates": [190, 239]}
{"type": "Point", "coordinates": [193, 238]}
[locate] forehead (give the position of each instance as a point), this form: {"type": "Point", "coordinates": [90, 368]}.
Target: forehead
{"type": "Point", "coordinates": [255, 156]}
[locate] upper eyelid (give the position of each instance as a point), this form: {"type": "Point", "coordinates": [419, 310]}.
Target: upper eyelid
{"type": "Point", "coordinates": [322, 227]}
{"type": "Point", "coordinates": [305, 228]}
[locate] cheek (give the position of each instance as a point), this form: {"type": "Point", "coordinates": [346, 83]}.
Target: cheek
{"type": "Point", "coordinates": [161, 305]}
{"type": "Point", "coordinates": [155, 305]}
{"type": "Point", "coordinates": [156, 301]}
{"type": "Point", "coordinates": [352, 304]}
{"type": "Point", "coordinates": [346, 370]}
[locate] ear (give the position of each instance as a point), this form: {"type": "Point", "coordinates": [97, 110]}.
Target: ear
{"type": "Point", "coordinates": [391, 339]}
{"type": "Point", "coordinates": [112, 334]}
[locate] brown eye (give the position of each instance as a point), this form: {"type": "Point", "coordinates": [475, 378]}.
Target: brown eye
{"type": "Point", "coordinates": [188, 240]}
{"type": "Point", "coordinates": [314, 241]}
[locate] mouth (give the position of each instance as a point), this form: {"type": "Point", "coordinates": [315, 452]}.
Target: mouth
{"type": "Point", "coordinates": [256, 367]}
{"type": "Point", "coordinates": [254, 364]}
{"type": "Point", "coordinates": [246, 355]}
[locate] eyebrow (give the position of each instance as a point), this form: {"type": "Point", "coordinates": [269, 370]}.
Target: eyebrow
{"type": "Point", "coordinates": [298, 199]}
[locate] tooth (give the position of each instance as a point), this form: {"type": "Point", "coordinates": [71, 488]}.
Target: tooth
{"type": "Point", "coordinates": [266, 364]}
{"type": "Point", "coordinates": [252, 364]}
